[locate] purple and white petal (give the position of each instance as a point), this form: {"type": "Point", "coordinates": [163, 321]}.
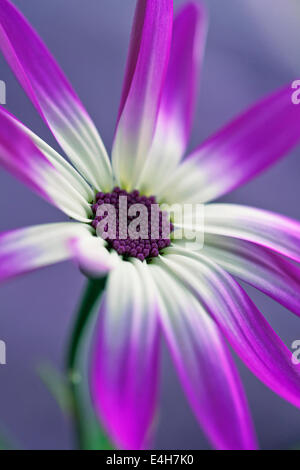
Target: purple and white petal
{"type": "Point", "coordinates": [92, 257]}
{"type": "Point", "coordinates": [176, 110]}
{"type": "Point", "coordinates": [21, 154]}
{"type": "Point", "coordinates": [53, 96]}
{"type": "Point", "coordinates": [27, 249]}
{"type": "Point", "coordinates": [273, 231]}
{"type": "Point", "coordinates": [258, 266]}
{"type": "Point", "coordinates": [205, 367]}
{"type": "Point", "coordinates": [247, 331]}
{"type": "Point", "coordinates": [70, 174]}
{"type": "Point", "coordinates": [124, 373]}
{"type": "Point", "coordinates": [238, 152]}
{"type": "Point", "coordinates": [144, 79]}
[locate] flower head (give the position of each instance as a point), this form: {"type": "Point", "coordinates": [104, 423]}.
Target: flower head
{"type": "Point", "coordinates": [156, 285]}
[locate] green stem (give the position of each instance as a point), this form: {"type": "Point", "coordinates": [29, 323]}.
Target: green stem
{"type": "Point", "coordinates": [91, 295]}
{"type": "Point", "coordinates": [92, 292]}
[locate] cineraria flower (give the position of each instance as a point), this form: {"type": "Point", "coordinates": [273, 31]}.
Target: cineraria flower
{"type": "Point", "coordinates": [159, 287]}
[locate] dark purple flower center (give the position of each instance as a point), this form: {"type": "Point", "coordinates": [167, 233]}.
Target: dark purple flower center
{"type": "Point", "coordinates": [133, 225]}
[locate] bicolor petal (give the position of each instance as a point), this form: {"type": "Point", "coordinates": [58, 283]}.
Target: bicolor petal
{"type": "Point", "coordinates": [124, 372]}
{"type": "Point", "coordinates": [144, 80]}
{"type": "Point", "coordinates": [53, 96]}
{"type": "Point", "coordinates": [258, 266]}
{"type": "Point", "coordinates": [22, 154]}
{"type": "Point", "coordinates": [238, 152]}
{"type": "Point", "coordinates": [67, 171]}
{"type": "Point", "coordinates": [27, 249]}
{"type": "Point", "coordinates": [205, 368]}
{"type": "Point", "coordinates": [176, 110]}
{"type": "Point", "coordinates": [243, 325]}
{"type": "Point", "coordinates": [92, 257]}
{"type": "Point", "coordinates": [277, 232]}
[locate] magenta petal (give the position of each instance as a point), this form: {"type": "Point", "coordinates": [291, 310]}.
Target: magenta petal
{"type": "Point", "coordinates": [26, 249]}
{"type": "Point", "coordinates": [205, 367]}
{"type": "Point", "coordinates": [249, 144]}
{"type": "Point", "coordinates": [178, 101]}
{"type": "Point", "coordinates": [92, 257]}
{"type": "Point", "coordinates": [241, 150]}
{"type": "Point", "coordinates": [124, 373]}
{"type": "Point", "coordinates": [24, 155]}
{"type": "Point", "coordinates": [52, 95]}
{"type": "Point", "coordinates": [268, 229]}
{"type": "Point", "coordinates": [258, 266]}
{"type": "Point", "coordinates": [144, 79]}
{"type": "Point", "coordinates": [243, 325]}
{"type": "Point", "coordinates": [20, 156]}
{"type": "Point", "coordinates": [176, 110]}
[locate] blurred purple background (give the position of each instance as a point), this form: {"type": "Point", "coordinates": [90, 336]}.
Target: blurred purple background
{"type": "Point", "coordinates": [90, 39]}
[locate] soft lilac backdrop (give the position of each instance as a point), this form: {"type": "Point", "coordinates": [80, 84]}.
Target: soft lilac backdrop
{"type": "Point", "coordinates": [89, 40]}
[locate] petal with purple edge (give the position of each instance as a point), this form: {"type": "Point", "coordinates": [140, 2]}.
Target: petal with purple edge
{"type": "Point", "coordinates": [20, 154]}
{"type": "Point", "coordinates": [144, 79]}
{"type": "Point", "coordinates": [258, 266]}
{"type": "Point", "coordinates": [178, 100]}
{"type": "Point", "coordinates": [238, 152]}
{"type": "Point", "coordinates": [124, 372]}
{"type": "Point", "coordinates": [92, 257]}
{"type": "Point", "coordinates": [53, 96]}
{"type": "Point", "coordinates": [206, 370]}
{"type": "Point", "coordinates": [273, 231]}
{"type": "Point", "coordinates": [26, 249]}
{"type": "Point", "coordinates": [247, 331]}
{"type": "Point", "coordinates": [61, 164]}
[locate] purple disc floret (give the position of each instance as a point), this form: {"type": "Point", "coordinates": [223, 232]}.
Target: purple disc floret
{"type": "Point", "coordinates": [151, 239]}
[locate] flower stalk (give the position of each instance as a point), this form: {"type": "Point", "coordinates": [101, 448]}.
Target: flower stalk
{"type": "Point", "coordinates": [87, 436]}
